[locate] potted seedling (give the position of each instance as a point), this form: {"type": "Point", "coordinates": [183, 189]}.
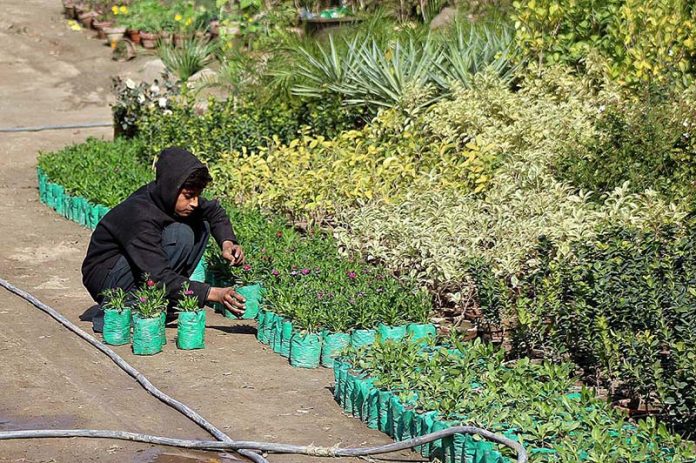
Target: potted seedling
{"type": "Point", "coordinates": [335, 338]}
{"type": "Point", "coordinates": [117, 317]}
{"type": "Point", "coordinates": [148, 319]}
{"type": "Point", "coordinates": [249, 277]}
{"type": "Point", "coordinates": [305, 344]}
{"type": "Point", "coordinates": [191, 325]}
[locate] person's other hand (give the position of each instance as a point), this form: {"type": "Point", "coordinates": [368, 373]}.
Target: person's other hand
{"type": "Point", "coordinates": [229, 298]}
{"type": "Point", "coordinates": [233, 253]}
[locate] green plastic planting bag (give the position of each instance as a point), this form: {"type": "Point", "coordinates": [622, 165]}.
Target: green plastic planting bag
{"type": "Point", "coordinates": [252, 294]}
{"type": "Point", "coordinates": [80, 215]}
{"type": "Point", "coordinates": [199, 272]}
{"type": "Point", "coordinates": [373, 409]}
{"type": "Point", "coordinates": [285, 338]}
{"type": "Point", "coordinates": [479, 451]}
{"type": "Point", "coordinates": [361, 338]}
{"type": "Point", "coordinates": [384, 399]}
{"type": "Point", "coordinates": [356, 398]}
{"type": "Point", "coordinates": [58, 199]}
{"type": "Point", "coordinates": [421, 331]}
{"type": "Point", "coordinates": [268, 323]}
{"type": "Point", "coordinates": [405, 428]}
{"type": "Point", "coordinates": [278, 334]}
{"type": "Point", "coordinates": [163, 332]}
{"type": "Point", "coordinates": [367, 385]}
{"type": "Point", "coordinates": [396, 409]}
{"type": "Point", "coordinates": [103, 210]}
{"type": "Point", "coordinates": [424, 424]}
{"type": "Point", "coordinates": [391, 333]}
{"type": "Point", "coordinates": [190, 330]}
{"type": "Point", "coordinates": [340, 371]}
{"type": "Point", "coordinates": [147, 335]}
{"type": "Point", "coordinates": [348, 392]}
{"type": "Point", "coordinates": [260, 326]}
{"type": "Point", "coordinates": [92, 215]}
{"type": "Point", "coordinates": [334, 344]}
{"type": "Point", "coordinates": [117, 327]}
{"type": "Point", "coordinates": [67, 206]}
{"type": "Point", "coordinates": [305, 350]}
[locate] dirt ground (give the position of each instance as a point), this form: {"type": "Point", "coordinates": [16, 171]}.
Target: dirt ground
{"type": "Point", "coordinates": [49, 378]}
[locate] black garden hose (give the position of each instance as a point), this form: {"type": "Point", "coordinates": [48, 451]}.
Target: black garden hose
{"type": "Point", "coordinates": [248, 449]}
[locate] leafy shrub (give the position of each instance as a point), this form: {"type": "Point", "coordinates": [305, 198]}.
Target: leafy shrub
{"type": "Point", "coordinates": [236, 125]}
{"type": "Point", "coordinates": [640, 40]}
{"type": "Point", "coordinates": [188, 59]}
{"type": "Point", "coordinates": [647, 142]}
{"type": "Point", "coordinates": [133, 100]}
{"type": "Point", "coordinates": [536, 404]}
{"type": "Point", "coordinates": [621, 306]}
{"type": "Point", "coordinates": [311, 177]}
{"type": "Point", "coordinates": [103, 172]}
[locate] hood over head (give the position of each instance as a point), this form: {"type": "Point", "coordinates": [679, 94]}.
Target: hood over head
{"type": "Point", "coordinates": [173, 167]}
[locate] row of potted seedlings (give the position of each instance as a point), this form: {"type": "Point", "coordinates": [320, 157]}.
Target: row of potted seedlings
{"type": "Point", "coordinates": [140, 316]}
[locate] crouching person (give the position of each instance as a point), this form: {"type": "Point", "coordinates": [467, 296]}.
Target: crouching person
{"type": "Point", "coordinates": [162, 230]}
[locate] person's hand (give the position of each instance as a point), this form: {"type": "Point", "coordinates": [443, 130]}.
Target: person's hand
{"type": "Point", "coordinates": [229, 298]}
{"type": "Point", "coordinates": [233, 253]}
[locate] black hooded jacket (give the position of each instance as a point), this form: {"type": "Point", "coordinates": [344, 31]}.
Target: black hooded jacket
{"type": "Point", "coordinates": [134, 228]}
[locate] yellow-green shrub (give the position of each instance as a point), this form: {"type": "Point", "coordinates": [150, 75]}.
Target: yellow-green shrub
{"type": "Point", "coordinates": [312, 177]}
{"type": "Point", "coordinates": [641, 40]}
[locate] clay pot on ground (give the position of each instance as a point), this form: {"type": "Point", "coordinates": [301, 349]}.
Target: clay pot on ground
{"type": "Point", "coordinates": [214, 28]}
{"type": "Point", "coordinates": [114, 35]}
{"type": "Point", "coordinates": [167, 37]}
{"type": "Point", "coordinates": [180, 39]}
{"type": "Point", "coordinates": [148, 40]}
{"type": "Point", "coordinates": [69, 9]}
{"type": "Point", "coordinates": [99, 26]}
{"type": "Point", "coordinates": [134, 36]}
{"type": "Point", "coordinates": [86, 19]}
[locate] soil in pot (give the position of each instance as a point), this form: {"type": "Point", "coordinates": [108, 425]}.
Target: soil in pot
{"type": "Point", "coordinates": [99, 26]}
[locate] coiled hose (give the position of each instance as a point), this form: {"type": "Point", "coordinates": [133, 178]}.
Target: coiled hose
{"type": "Point", "coordinates": [248, 449]}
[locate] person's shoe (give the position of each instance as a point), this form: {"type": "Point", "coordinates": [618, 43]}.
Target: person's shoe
{"type": "Point", "coordinates": [98, 321]}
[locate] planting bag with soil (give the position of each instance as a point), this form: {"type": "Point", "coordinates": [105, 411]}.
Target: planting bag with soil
{"type": "Point", "coordinates": [58, 194]}
{"type": "Point", "coordinates": [349, 387]}
{"type": "Point", "coordinates": [92, 216]}
{"type": "Point", "coordinates": [147, 335]}
{"type": "Point", "coordinates": [117, 327]}
{"type": "Point", "coordinates": [384, 399]}
{"type": "Point", "coordinates": [278, 334]}
{"type": "Point", "coordinates": [356, 399]}
{"type": "Point", "coordinates": [191, 330]}
{"type": "Point", "coordinates": [260, 322]}
{"type": "Point", "coordinates": [373, 408]}
{"type": "Point", "coordinates": [421, 331]}
{"type": "Point", "coordinates": [285, 338]}
{"type": "Point", "coordinates": [391, 333]}
{"type": "Point", "coordinates": [334, 344]}
{"type": "Point", "coordinates": [305, 350]}
{"type": "Point", "coordinates": [340, 371]}
{"type": "Point", "coordinates": [103, 210]}
{"type": "Point", "coordinates": [268, 324]}
{"type": "Point", "coordinates": [252, 294]}
{"type": "Point", "coordinates": [365, 387]}
{"type": "Point", "coordinates": [199, 272]}
{"type": "Point", "coordinates": [163, 323]}
{"type": "Point", "coordinates": [362, 338]}
{"type": "Point", "coordinates": [424, 425]}
{"type": "Point", "coordinates": [396, 409]}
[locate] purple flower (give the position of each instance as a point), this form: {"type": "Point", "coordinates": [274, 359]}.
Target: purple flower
{"type": "Point", "coordinates": [188, 292]}
{"type": "Point", "coordinates": [275, 272]}
{"type": "Point", "coordinates": [352, 275]}
{"type": "Point", "coordinates": [320, 295]}
{"type": "Point", "coordinates": [305, 271]}
{"type": "Point", "coordinates": [247, 268]}
{"type": "Point", "coordinates": [143, 299]}
{"type": "Point", "coordinates": [293, 273]}
{"type": "Point", "coordinates": [361, 294]}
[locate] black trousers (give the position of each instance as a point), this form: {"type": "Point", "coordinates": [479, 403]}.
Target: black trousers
{"type": "Point", "coordinates": [184, 247]}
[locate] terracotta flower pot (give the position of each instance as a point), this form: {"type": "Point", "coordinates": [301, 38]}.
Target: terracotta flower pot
{"type": "Point", "coordinates": [99, 26]}
{"type": "Point", "coordinates": [86, 19]}
{"type": "Point", "coordinates": [180, 39]}
{"type": "Point", "coordinates": [167, 37]}
{"type": "Point", "coordinates": [148, 40]}
{"type": "Point", "coordinates": [70, 12]}
{"type": "Point", "coordinates": [134, 36]}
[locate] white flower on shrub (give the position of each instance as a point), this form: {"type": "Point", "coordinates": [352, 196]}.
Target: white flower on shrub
{"type": "Point", "coordinates": [162, 102]}
{"type": "Point", "coordinates": [154, 89]}
{"type": "Point", "coordinates": [130, 84]}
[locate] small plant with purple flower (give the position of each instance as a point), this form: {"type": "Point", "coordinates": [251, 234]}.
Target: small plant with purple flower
{"type": "Point", "coordinates": [150, 299]}
{"type": "Point", "coordinates": [187, 302]}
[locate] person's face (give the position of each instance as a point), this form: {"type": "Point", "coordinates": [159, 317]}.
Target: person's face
{"type": "Point", "coordinates": [186, 202]}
